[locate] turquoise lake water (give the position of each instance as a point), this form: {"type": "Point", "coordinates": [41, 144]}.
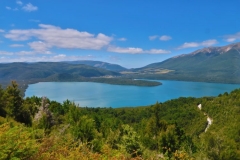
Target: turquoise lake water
{"type": "Point", "coordinates": [92, 94]}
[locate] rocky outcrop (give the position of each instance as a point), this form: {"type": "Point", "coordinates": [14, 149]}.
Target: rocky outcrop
{"type": "Point", "coordinates": [44, 110]}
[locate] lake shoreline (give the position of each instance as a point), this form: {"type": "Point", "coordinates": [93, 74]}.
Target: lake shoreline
{"type": "Point", "coordinates": [94, 94]}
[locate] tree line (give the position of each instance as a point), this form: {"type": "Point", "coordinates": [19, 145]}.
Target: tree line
{"type": "Point", "coordinates": [38, 128]}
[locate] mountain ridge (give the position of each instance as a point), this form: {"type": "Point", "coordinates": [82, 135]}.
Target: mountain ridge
{"type": "Point", "coordinates": [212, 64]}
{"type": "Point", "coordinates": [99, 64]}
{"type": "Point", "coordinates": [42, 70]}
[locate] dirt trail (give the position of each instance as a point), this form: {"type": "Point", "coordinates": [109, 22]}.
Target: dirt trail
{"type": "Point", "coordinates": [209, 120]}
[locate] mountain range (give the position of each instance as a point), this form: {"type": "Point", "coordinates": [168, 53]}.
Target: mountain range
{"type": "Point", "coordinates": [50, 70]}
{"type": "Point", "coordinates": [99, 64]}
{"type": "Point", "coordinates": [212, 64]}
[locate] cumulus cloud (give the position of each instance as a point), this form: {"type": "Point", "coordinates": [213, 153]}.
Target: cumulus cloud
{"type": "Point", "coordinates": [25, 53]}
{"type": "Point", "coordinates": [6, 53]}
{"type": "Point", "coordinates": [165, 38]}
{"type": "Point", "coordinates": [8, 8]}
{"type": "Point", "coordinates": [132, 50]}
{"type": "Point", "coordinates": [157, 51]}
{"type": "Point", "coordinates": [161, 38]}
{"type": "Point", "coordinates": [19, 2]}
{"type": "Point", "coordinates": [153, 37]}
{"type": "Point", "coordinates": [46, 58]}
{"type": "Point", "coordinates": [16, 45]}
{"type": "Point", "coordinates": [122, 39]}
{"type": "Point", "coordinates": [40, 47]}
{"type": "Point", "coordinates": [29, 7]}
{"type": "Point", "coordinates": [53, 36]}
{"type": "Point", "coordinates": [1, 31]}
{"type": "Point", "coordinates": [206, 43]}
{"type": "Point", "coordinates": [47, 37]}
{"type": "Point", "coordinates": [232, 37]}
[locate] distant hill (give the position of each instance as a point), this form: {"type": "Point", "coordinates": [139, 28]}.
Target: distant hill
{"type": "Point", "coordinates": [212, 64]}
{"type": "Point", "coordinates": [50, 70]}
{"type": "Point", "coordinates": [99, 64]}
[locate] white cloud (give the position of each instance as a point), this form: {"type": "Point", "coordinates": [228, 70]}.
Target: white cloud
{"type": "Point", "coordinates": [16, 45]}
{"type": "Point", "coordinates": [189, 45]}
{"type": "Point", "coordinates": [6, 53]}
{"type": "Point", "coordinates": [157, 51]}
{"type": "Point", "coordinates": [33, 52]}
{"type": "Point", "coordinates": [132, 50]}
{"type": "Point", "coordinates": [122, 39]}
{"type": "Point", "coordinates": [53, 36]}
{"type": "Point", "coordinates": [8, 8]}
{"type": "Point", "coordinates": [29, 7]}
{"type": "Point", "coordinates": [22, 53]}
{"type": "Point", "coordinates": [206, 43]}
{"type": "Point", "coordinates": [19, 2]}
{"type": "Point", "coordinates": [165, 38]}
{"type": "Point", "coordinates": [232, 37]}
{"type": "Point", "coordinates": [60, 56]}
{"type": "Point", "coordinates": [1, 31]}
{"type": "Point", "coordinates": [49, 36]}
{"type": "Point", "coordinates": [27, 57]}
{"type": "Point", "coordinates": [153, 37]}
{"type": "Point", "coordinates": [40, 46]}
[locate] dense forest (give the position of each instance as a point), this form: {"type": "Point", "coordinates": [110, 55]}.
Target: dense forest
{"type": "Point", "coordinates": [38, 128]}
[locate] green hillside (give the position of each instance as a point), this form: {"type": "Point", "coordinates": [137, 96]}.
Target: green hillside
{"type": "Point", "coordinates": [38, 128]}
{"type": "Point", "coordinates": [99, 64]}
{"type": "Point", "coordinates": [42, 70]}
{"type": "Point", "coordinates": [214, 64]}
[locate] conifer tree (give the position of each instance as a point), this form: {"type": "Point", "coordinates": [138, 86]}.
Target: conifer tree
{"type": "Point", "coordinates": [13, 101]}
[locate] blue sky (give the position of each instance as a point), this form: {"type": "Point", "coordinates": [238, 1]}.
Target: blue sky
{"type": "Point", "coordinates": [132, 33]}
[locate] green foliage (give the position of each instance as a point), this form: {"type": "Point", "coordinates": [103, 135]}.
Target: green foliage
{"type": "Point", "coordinates": [130, 141]}
{"type": "Point", "coordinates": [2, 111]}
{"type": "Point", "coordinates": [13, 100]}
{"type": "Point", "coordinates": [13, 104]}
{"type": "Point", "coordinates": [84, 129]}
{"type": "Point", "coordinates": [172, 130]}
{"type": "Point", "coordinates": [50, 70]}
{"type": "Point", "coordinates": [16, 142]}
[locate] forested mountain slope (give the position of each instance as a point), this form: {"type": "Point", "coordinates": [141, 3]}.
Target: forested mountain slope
{"type": "Point", "coordinates": [43, 70]}
{"type": "Point", "coordinates": [99, 64]}
{"type": "Point", "coordinates": [171, 130]}
{"type": "Point", "coordinates": [212, 64]}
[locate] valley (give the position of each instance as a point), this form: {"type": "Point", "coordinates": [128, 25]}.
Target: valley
{"type": "Point", "coordinates": [153, 111]}
{"type": "Point", "coordinates": [119, 80]}
{"type": "Point", "coordinates": [213, 64]}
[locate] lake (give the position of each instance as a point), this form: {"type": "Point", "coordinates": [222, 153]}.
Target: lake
{"type": "Point", "coordinates": [92, 94]}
